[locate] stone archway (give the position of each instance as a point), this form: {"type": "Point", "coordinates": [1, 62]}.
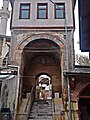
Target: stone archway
{"type": "Point", "coordinates": [79, 89]}
{"type": "Point", "coordinates": [84, 103]}
{"type": "Point", "coordinates": [43, 86]}
{"type": "Point", "coordinates": [25, 39]}
{"type": "Point", "coordinates": [38, 61]}
{"type": "Point", "coordinates": [41, 60]}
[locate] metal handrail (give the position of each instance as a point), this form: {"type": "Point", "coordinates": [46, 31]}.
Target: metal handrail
{"type": "Point", "coordinates": [31, 97]}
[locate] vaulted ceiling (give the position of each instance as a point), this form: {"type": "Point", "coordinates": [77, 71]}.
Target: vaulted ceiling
{"type": "Point", "coordinates": [42, 49]}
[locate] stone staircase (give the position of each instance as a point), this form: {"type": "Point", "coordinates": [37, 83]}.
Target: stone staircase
{"type": "Point", "coordinates": [41, 110]}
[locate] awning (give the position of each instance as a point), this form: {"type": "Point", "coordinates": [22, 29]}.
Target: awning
{"type": "Point", "coordinates": [6, 77]}
{"type": "Point", "coordinates": [79, 71]}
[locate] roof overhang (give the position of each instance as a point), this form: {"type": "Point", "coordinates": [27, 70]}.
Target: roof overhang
{"type": "Point", "coordinates": [6, 77]}
{"type": "Point", "coordinates": [78, 71]}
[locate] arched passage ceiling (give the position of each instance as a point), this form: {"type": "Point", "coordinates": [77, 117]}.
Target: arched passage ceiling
{"type": "Point", "coordinates": [41, 56]}
{"type": "Point", "coordinates": [42, 48]}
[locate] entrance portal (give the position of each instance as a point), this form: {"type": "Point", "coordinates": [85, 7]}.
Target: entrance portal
{"type": "Point", "coordinates": [43, 87]}
{"type": "Point", "coordinates": [84, 104]}
{"type": "Point", "coordinates": [41, 59]}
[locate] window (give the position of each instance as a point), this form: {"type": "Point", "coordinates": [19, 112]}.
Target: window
{"type": "Point", "coordinates": [42, 11]}
{"type": "Point", "coordinates": [59, 11]}
{"type": "Point", "coordinates": [24, 11]}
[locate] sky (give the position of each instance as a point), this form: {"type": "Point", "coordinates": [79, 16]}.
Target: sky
{"type": "Point", "coordinates": [76, 33]}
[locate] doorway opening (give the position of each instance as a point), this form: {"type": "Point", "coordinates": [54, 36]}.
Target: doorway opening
{"type": "Point", "coordinates": [84, 104]}
{"type": "Point", "coordinates": [43, 86]}
{"type": "Point", "coordinates": [84, 107]}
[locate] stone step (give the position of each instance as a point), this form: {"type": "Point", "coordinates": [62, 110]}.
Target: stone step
{"type": "Point", "coordinates": [49, 110]}
{"type": "Point", "coordinates": [40, 117]}
{"type": "Point", "coordinates": [45, 113]}
{"type": "Point", "coordinates": [41, 110]}
{"type": "Point", "coordinates": [42, 104]}
{"type": "Point", "coordinates": [42, 100]}
{"type": "Point", "coordinates": [42, 107]}
{"type": "Point", "coordinates": [41, 114]}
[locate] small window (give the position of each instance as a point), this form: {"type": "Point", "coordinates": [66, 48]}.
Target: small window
{"type": "Point", "coordinates": [59, 11]}
{"type": "Point", "coordinates": [24, 11]}
{"type": "Point", "coordinates": [42, 11]}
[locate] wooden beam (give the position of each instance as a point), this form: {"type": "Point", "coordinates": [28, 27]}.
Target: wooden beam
{"type": "Point", "coordinates": [30, 51]}
{"type": "Point", "coordinates": [84, 97]}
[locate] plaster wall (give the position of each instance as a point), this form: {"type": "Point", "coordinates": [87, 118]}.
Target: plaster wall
{"type": "Point", "coordinates": [34, 22]}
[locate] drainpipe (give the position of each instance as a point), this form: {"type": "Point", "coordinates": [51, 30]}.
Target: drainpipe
{"type": "Point", "coordinates": [17, 89]}
{"type": "Point", "coordinates": [0, 52]}
{"type": "Point", "coordinates": [69, 99]}
{"type": "Point", "coordinates": [67, 62]}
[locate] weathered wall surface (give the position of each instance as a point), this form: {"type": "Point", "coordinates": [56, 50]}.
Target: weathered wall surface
{"type": "Point", "coordinates": [52, 70]}
{"type": "Point", "coordinates": [8, 93]}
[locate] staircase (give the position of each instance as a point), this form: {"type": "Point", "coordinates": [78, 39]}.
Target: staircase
{"type": "Point", "coordinates": [41, 110]}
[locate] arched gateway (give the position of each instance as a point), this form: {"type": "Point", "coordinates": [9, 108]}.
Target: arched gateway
{"type": "Point", "coordinates": [41, 53]}
{"type": "Point", "coordinates": [84, 103]}
{"type": "Point", "coordinates": [41, 45]}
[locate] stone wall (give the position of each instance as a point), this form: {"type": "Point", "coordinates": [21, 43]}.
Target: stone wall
{"type": "Point", "coordinates": [22, 39]}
